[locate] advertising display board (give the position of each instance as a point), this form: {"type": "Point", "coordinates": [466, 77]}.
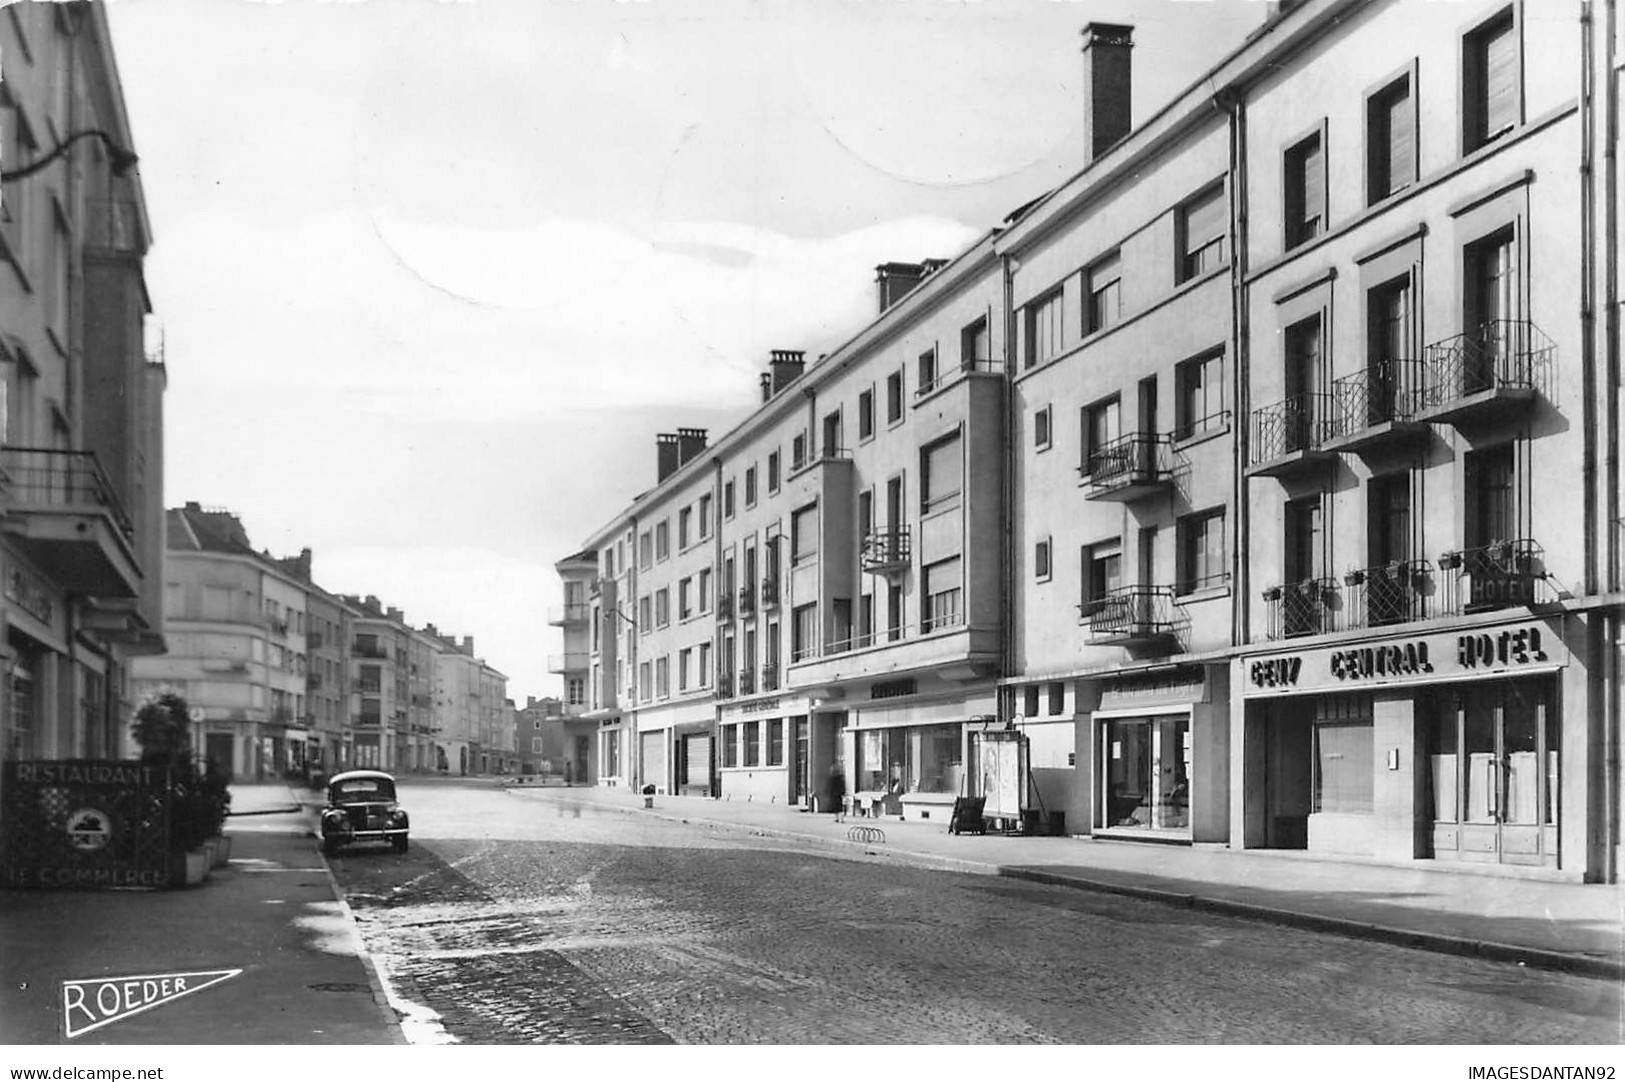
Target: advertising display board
{"type": "Point", "coordinates": [1001, 760]}
{"type": "Point", "coordinates": [85, 823]}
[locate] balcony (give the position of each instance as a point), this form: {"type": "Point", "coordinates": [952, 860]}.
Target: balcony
{"type": "Point", "coordinates": [770, 678]}
{"type": "Point", "coordinates": [1500, 575]}
{"type": "Point", "coordinates": [567, 615]}
{"type": "Point", "coordinates": [1378, 405]}
{"type": "Point", "coordinates": [369, 720]}
{"type": "Point", "coordinates": [725, 685]}
{"type": "Point", "coordinates": [1307, 607]}
{"type": "Point", "coordinates": [886, 551]}
{"type": "Point", "coordinates": [277, 625]}
{"type": "Point", "coordinates": [1488, 373]}
{"type": "Point", "coordinates": [1391, 593]}
{"type": "Point", "coordinates": [64, 515]}
{"type": "Point", "coordinates": [380, 653]}
{"type": "Point", "coordinates": [725, 605]}
{"type": "Point", "coordinates": [1289, 436]}
{"type": "Point", "coordinates": [1129, 467]}
{"type": "Point", "coordinates": [1130, 616]}
{"type": "Point", "coordinates": [571, 662]}
{"type": "Point", "coordinates": [747, 682]}
{"type": "Point", "coordinates": [770, 594]}
{"type": "Point", "coordinates": [747, 601]}
{"type": "Point", "coordinates": [313, 680]}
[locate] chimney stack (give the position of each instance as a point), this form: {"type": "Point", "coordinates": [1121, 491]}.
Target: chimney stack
{"type": "Point", "coordinates": [1106, 83]}
{"type": "Point", "coordinates": [666, 455]}
{"type": "Point", "coordinates": [468, 645]}
{"type": "Point", "coordinates": [893, 281]}
{"type": "Point", "coordinates": [767, 386]}
{"type": "Point", "coordinates": [786, 367]}
{"type": "Point", "coordinates": [690, 442]}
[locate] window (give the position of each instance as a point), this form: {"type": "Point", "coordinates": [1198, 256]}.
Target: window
{"type": "Point", "coordinates": [773, 472]}
{"type": "Point", "coordinates": [1200, 387]}
{"type": "Point", "coordinates": [1102, 571]}
{"type": "Point", "coordinates": [1201, 223]}
{"type": "Point", "coordinates": [645, 614]}
{"type": "Point", "coordinates": [1344, 739]}
{"type": "Point", "coordinates": [662, 540]}
{"type": "Point", "coordinates": [804, 632]}
{"type": "Point", "coordinates": [646, 551]}
{"type": "Point", "coordinates": [942, 473]}
{"type": "Point", "coordinates": [1102, 425]}
{"type": "Point", "coordinates": [575, 691]}
{"type": "Point", "coordinates": [684, 519]}
{"type": "Point", "coordinates": [894, 397]}
{"type": "Point", "coordinates": [1041, 564]}
{"type": "Point", "coordinates": [1041, 428]}
{"type": "Point", "coordinates": [662, 606]}
{"type": "Point", "coordinates": [753, 743]}
{"type": "Point", "coordinates": [705, 517]}
{"type": "Point", "coordinates": [703, 590]}
{"type": "Point", "coordinates": [750, 486]}
{"type": "Point", "coordinates": [1042, 322]}
{"type": "Point", "coordinates": [1029, 705]}
{"type": "Point", "coordinates": [926, 368]}
{"type": "Point", "coordinates": [730, 745]}
{"type": "Point", "coordinates": [685, 605]}
{"type": "Point", "coordinates": [645, 681]}
{"type": "Point", "coordinates": [942, 586]}
{"type": "Point", "coordinates": [894, 612]}
{"type": "Point", "coordinates": [728, 499]}
{"type": "Point", "coordinates": [1201, 551]}
{"type": "Point", "coordinates": [663, 676]}
{"type": "Point", "coordinates": [1105, 294]}
{"type": "Point", "coordinates": [1492, 94]}
{"type": "Point", "coordinates": [775, 742]}
{"type": "Point", "coordinates": [804, 534]}
{"type": "Point", "coordinates": [798, 458]}
{"type": "Point", "coordinates": [1491, 295]}
{"type": "Point", "coordinates": [866, 414]}
{"type": "Point", "coordinates": [1305, 195]}
{"type": "Point", "coordinates": [704, 666]}
{"type": "Point", "coordinates": [832, 446]}
{"type": "Point", "coordinates": [1057, 698]}
{"type": "Point", "coordinates": [1304, 557]}
{"type": "Point", "coordinates": [1390, 140]}
{"type": "Point", "coordinates": [975, 346]}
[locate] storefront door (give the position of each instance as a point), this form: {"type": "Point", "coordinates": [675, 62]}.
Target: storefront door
{"type": "Point", "coordinates": [803, 762]}
{"type": "Point", "coordinates": [1494, 760]}
{"type": "Point", "coordinates": [1146, 769]}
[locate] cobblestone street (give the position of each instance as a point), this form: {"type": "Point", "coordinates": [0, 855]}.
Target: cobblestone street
{"type": "Point", "coordinates": [523, 921]}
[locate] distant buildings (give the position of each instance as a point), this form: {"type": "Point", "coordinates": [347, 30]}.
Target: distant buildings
{"type": "Point", "coordinates": [551, 741]}
{"type": "Point", "coordinates": [284, 677]}
{"type": "Point", "coordinates": [81, 394]}
{"type": "Point", "coordinates": [1260, 483]}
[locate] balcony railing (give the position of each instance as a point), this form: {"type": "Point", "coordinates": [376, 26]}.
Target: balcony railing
{"type": "Point", "coordinates": [313, 680]}
{"type": "Point", "coordinates": [1503, 360]}
{"type": "Point", "coordinates": [725, 685]}
{"type": "Point", "coordinates": [770, 678]}
{"type": "Point", "coordinates": [1386, 393]}
{"type": "Point", "coordinates": [770, 593]}
{"type": "Point", "coordinates": [1390, 593]}
{"type": "Point", "coordinates": [569, 662]}
{"type": "Point", "coordinates": [747, 600]}
{"type": "Point", "coordinates": [43, 478]}
{"type": "Point", "coordinates": [1130, 615]}
{"type": "Point", "coordinates": [747, 682]}
{"type": "Point", "coordinates": [365, 720]}
{"type": "Point", "coordinates": [560, 615]}
{"type": "Point", "coordinates": [1287, 432]}
{"type": "Point", "coordinates": [377, 652]}
{"type": "Point", "coordinates": [1129, 466]}
{"type": "Point", "coordinates": [886, 550]}
{"type": "Point", "coordinates": [1500, 575]}
{"type": "Point", "coordinates": [1308, 607]}
{"type": "Point", "coordinates": [725, 606]}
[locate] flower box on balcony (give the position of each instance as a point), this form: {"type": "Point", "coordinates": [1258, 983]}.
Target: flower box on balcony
{"type": "Point", "coordinates": [1353, 578]}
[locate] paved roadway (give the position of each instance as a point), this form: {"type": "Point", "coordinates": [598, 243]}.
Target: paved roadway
{"type": "Point", "coordinates": [526, 921]}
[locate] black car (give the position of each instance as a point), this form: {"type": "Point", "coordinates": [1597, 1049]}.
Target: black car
{"type": "Point", "coordinates": [361, 808]}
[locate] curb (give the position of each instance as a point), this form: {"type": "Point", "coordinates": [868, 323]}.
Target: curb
{"type": "Point", "coordinates": [380, 998]}
{"type": "Point", "coordinates": [1584, 965]}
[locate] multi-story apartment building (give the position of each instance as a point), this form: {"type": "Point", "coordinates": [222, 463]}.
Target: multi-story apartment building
{"type": "Point", "coordinates": [234, 622]}
{"type": "Point", "coordinates": [379, 660]}
{"type": "Point", "coordinates": [81, 422]}
{"type": "Point", "coordinates": [329, 701]}
{"type": "Point", "coordinates": [578, 573]}
{"type": "Point", "coordinates": [1307, 531]}
{"type": "Point", "coordinates": [457, 702]}
{"type": "Point", "coordinates": [496, 747]}
{"type": "Point", "coordinates": [422, 728]}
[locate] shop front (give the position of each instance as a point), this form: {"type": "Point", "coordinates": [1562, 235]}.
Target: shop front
{"type": "Point", "coordinates": [1448, 746]}
{"type": "Point", "coordinates": [909, 759]}
{"type": "Point", "coordinates": [612, 752]}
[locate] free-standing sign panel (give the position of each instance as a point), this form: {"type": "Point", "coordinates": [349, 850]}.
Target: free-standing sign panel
{"type": "Point", "coordinates": [1001, 758]}
{"type": "Point", "coordinates": [85, 823]}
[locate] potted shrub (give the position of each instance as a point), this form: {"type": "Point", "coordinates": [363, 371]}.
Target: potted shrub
{"type": "Point", "coordinates": [197, 801]}
{"type": "Point", "coordinates": [1449, 561]}
{"type": "Point", "coordinates": [1353, 578]}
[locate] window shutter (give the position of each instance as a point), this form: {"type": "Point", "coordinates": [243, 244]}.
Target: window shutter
{"type": "Point", "coordinates": [1401, 140]}
{"type": "Point", "coordinates": [1500, 80]}
{"type": "Point", "coordinates": [1204, 220]}
{"type": "Point", "coordinates": [1314, 184]}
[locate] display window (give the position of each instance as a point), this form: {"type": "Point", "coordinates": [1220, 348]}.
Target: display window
{"type": "Point", "coordinates": [917, 759]}
{"type": "Point", "coordinates": [1146, 770]}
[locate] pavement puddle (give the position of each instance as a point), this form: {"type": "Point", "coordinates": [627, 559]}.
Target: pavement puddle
{"type": "Point", "coordinates": [419, 1024]}
{"type": "Point", "coordinates": [330, 929]}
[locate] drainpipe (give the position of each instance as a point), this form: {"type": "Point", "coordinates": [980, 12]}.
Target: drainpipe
{"type": "Point", "coordinates": [712, 772]}
{"type": "Point", "coordinates": [1611, 629]}
{"type": "Point", "coordinates": [1233, 101]}
{"type": "Point", "coordinates": [1007, 499]}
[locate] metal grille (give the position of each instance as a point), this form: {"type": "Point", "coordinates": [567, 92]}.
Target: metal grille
{"type": "Point", "coordinates": [1387, 391]}
{"type": "Point", "coordinates": [85, 823]}
{"type": "Point", "coordinates": [43, 477]}
{"type": "Point", "coordinates": [1392, 593]}
{"type": "Point", "coordinates": [1503, 354]}
{"type": "Point", "coordinates": [1301, 608]}
{"type": "Point", "coordinates": [1299, 423]}
{"type": "Point", "coordinates": [1499, 575]}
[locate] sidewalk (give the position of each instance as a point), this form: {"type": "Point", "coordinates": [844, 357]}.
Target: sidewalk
{"type": "Point", "coordinates": [272, 912]}
{"type": "Point", "coordinates": [1565, 926]}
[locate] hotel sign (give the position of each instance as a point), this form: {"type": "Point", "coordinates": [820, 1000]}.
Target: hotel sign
{"type": "Point", "coordinates": [1423, 659]}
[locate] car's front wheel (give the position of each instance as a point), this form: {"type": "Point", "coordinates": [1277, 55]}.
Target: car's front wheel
{"type": "Point", "coordinates": [330, 846]}
{"type": "Point", "coordinates": [399, 843]}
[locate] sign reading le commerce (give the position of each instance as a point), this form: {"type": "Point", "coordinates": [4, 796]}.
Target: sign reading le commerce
{"type": "Point", "coordinates": [1425, 659]}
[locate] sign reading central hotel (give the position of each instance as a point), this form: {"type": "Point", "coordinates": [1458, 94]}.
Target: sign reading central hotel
{"type": "Point", "coordinates": [1425, 659]}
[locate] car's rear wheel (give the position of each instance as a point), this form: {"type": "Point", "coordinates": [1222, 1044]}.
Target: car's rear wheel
{"type": "Point", "coordinates": [399, 843]}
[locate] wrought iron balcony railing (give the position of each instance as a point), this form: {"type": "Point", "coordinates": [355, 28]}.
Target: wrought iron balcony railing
{"type": "Point", "coordinates": [725, 606]}
{"type": "Point", "coordinates": [1129, 466]}
{"type": "Point", "coordinates": [1502, 358]}
{"type": "Point", "coordinates": [1129, 615]}
{"type": "Point", "coordinates": [41, 478]}
{"type": "Point", "coordinates": [1386, 392]}
{"type": "Point", "coordinates": [886, 550]}
{"type": "Point", "coordinates": [363, 650]}
{"type": "Point", "coordinates": [1307, 607]}
{"type": "Point", "coordinates": [747, 682]}
{"type": "Point", "coordinates": [725, 685]}
{"type": "Point", "coordinates": [770, 593]}
{"type": "Point", "coordinates": [770, 677]}
{"type": "Point", "coordinates": [1291, 426]}
{"type": "Point", "coordinates": [747, 600]}
{"type": "Point", "coordinates": [1391, 593]}
{"type": "Point", "coordinates": [1500, 575]}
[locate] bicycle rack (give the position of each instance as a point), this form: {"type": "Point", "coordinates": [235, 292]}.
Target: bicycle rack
{"type": "Point", "coordinates": [866, 835]}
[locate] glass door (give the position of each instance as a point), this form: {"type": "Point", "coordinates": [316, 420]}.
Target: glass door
{"type": "Point", "coordinates": [1146, 769]}
{"type": "Point", "coordinates": [802, 761]}
{"type": "Point", "coordinates": [1496, 798]}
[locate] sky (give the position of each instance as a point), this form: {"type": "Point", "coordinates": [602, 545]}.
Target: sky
{"type": "Point", "coordinates": [429, 275]}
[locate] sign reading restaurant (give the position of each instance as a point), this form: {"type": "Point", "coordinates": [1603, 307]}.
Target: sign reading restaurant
{"type": "Point", "coordinates": [1424, 659]}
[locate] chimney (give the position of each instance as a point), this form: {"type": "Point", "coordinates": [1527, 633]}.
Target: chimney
{"type": "Point", "coordinates": [666, 452]}
{"type": "Point", "coordinates": [394, 614]}
{"type": "Point", "coordinates": [690, 442]}
{"type": "Point", "coordinates": [786, 367]}
{"type": "Point", "coordinates": [468, 645]}
{"type": "Point", "coordinates": [767, 386]}
{"type": "Point", "coordinates": [1106, 82]}
{"type": "Point", "coordinates": [894, 280]}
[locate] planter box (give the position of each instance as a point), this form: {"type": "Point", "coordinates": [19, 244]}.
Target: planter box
{"type": "Point", "coordinates": [189, 869]}
{"type": "Point", "coordinates": [222, 851]}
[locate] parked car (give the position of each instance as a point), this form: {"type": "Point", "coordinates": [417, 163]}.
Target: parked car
{"type": "Point", "coordinates": [361, 807]}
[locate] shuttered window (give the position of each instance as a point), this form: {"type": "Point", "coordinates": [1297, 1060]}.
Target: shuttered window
{"type": "Point", "coordinates": [1391, 140]}
{"type": "Point", "coordinates": [1202, 225]}
{"type": "Point", "coordinates": [1305, 176]}
{"type": "Point", "coordinates": [1492, 98]}
{"type": "Point", "coordinates": [942, 473]}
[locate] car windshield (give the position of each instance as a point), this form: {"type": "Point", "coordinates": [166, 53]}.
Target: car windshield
{"type": "Point", "coordinates": [364, 789]}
